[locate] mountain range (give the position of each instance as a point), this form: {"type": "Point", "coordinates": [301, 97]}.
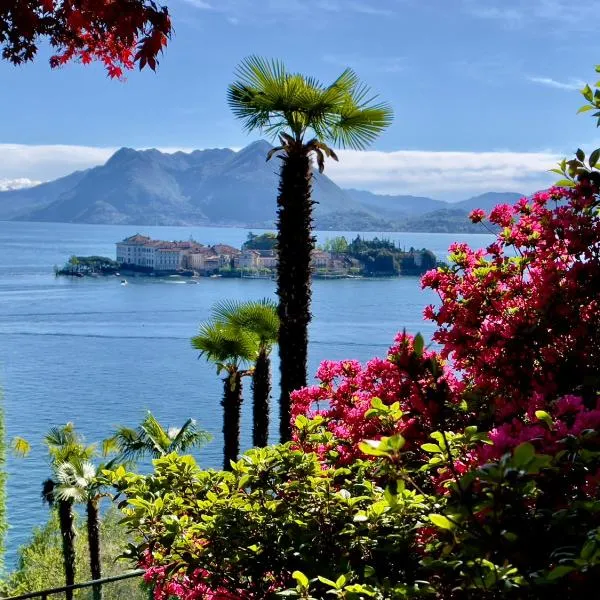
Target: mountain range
{"type": "Point", "coordinates": [221, 187]}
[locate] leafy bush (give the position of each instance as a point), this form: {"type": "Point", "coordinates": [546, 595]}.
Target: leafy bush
{"type": "Point", "coordinates": [40, 565]}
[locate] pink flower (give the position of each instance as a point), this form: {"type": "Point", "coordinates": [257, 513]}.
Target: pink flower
{"type": "Point", "coordinates": [477, 215]}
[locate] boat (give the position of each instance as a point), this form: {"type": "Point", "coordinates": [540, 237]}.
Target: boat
{"type": "Point", "coordinates": [124, 282]}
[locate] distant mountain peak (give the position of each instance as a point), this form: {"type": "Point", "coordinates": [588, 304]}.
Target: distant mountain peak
{"type": "Point", "coordinates": [257, 148]}
{"type": "Point", "coordinates": [122, 155]}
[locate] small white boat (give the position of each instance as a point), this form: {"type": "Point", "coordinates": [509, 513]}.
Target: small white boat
{"type": "Point", "coordinates": [124, 282]}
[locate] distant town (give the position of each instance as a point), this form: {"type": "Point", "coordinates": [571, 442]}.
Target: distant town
{"type": "Point", "coordinates": [257, 258]}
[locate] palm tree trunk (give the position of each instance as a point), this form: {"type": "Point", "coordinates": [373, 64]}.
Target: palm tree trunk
{"type": "Point", "coordinates": [261, 388]}
{"type": "Point", "coordinates": [295, 244]}
{"type": "Point", "coordinates": [67, 530]}
{"type": "Point", "coordinates": [232, 412]}
{"type": "Point", "coordinates": [93, 531]}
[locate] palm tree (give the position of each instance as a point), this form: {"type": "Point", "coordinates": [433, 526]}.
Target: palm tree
{"type": "Point", "coordinates": [64, 445]}
{"type": "Point", "coordinates": [229, 350]}
{"type": "Point", "coordinates": [153, 440]}
{"type": "Point", "coordinates": [77, 482]}
{"type": "Point", "coordinates": [306, 116]}
{"type": "Point", "coordinates": [261, 319]}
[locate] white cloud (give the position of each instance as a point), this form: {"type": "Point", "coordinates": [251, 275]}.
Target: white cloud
{"type": "Point", "coordinates": [447, 175]}
{"type": "Point", "coordinates": [273, 10]}
{"type": "Point", "coordinates": [559, 14]}
{"type": "Point", "coordinates": [199, 4]}
{"type": "Point", "coordinates": [43, 162]}
{"type": "Point", "coordinates": [16, 184]}
{"type": "Point", "coordinates": [46, 162]}
{"type": "Point", "coordinates": [571, 84]}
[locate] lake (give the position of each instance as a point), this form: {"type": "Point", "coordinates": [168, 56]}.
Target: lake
{"type": "Point", "coordinates": [100, 354]}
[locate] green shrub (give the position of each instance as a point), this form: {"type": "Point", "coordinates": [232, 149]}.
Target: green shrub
{"type": "Point", "coordinates": [40, 563]}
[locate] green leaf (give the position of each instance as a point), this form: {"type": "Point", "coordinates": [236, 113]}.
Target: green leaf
{"type": "Point", "coordinates": [580, 154]}
{"type": "Point", "coordinates": [586, 108]}
{"type": "Point", "coordinates": [543, 416]}
{"type": "Point", "coordinates": [523, 453]}
{"type": "Point", "coordinates": [327, 581]}
{"type": "Point", "coordinates": [594, 156]}
{"type": "Point", "coordinates": [565, 183]}
{"type": "Point", "coordinates": [396, 442]}
{"type": "Point", "coordinates": [431, 448]}
{"type": "Point", "coordinates": [372, 448]}
{"type": "Point", "coordinates": [559, 572]}
{"type": "Point", "coordinates": [587, 93]}
{"type": "Point", "coordinates": [301, 578]}
{"type": "Point", "coordinates": [418, 344]}
{"type": "Point", "coordinates": [588, 550]}
{"type": "Point", "coordinates": [341, 582]}
{"type": "Point", "coordinates": [441, 521]}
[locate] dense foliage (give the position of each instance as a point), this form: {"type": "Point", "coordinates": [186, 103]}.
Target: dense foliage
{"type": "Point", "coordinates": [472, 472]}
{"type": "Point", "coordinates": [39, 563]}
{"type": "Point", "coordinates": [382, 257]}
{"type": "Point", "coordinates": [119, 33]}
{"type": "Point", "coordinates": [88, 265]}
{"type": "Point", "coordinates": [263, 241]}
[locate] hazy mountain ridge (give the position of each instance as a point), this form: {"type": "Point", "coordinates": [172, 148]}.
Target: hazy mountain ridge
{"type": "Point", "coordinates": [221, 187]}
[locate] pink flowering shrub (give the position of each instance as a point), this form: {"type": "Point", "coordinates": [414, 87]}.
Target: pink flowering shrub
{"type": "Point", "coordinates": [519, 362]}
{"type": "Point", "coordinates": [419, 381]}
{"type": "Point", "coordinates": [520, 320]}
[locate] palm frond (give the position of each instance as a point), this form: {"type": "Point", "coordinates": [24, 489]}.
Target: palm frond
{"type": "Point", "coordinates": [188, 436]}
{"type": "Point", "coordinates": [356, 127]}
{"type": "Point", "coordinates": [71, 493]}
{"type": "Point", "coordinates": [269, 98]}
{"type": "Point", "coordinates": [256, 317]}
{"type": "Point", "coordinates": [20, 447]}
{"type": "Point", "coordinates": [154, 433]}
{"type": "Point", "coordinates": [76, 481]}
{"type": "Point", "coordinates": [129, 443]}
{"type": "Point", "coordinates": [62, 435]}
{"type": "Point", "coordinates": [222, 345]}
{"type": "Point", "coordinates": [65, 444]}
{"type": "Point", "coordinates": [152, 439]}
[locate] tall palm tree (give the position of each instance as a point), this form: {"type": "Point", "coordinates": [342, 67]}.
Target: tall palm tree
{"type": "Point", "coordinates": [151, 439]}
{"type": "Point", "coordinates": [306, 116]}
{"type": "Point", "coordinates": [261, 319]}
{"type": "Point", "coordinates": [64, 445]}
{"type": "Point", "coordinates": [229, 350]}
{"type": "Point", "coordinates": [78, 482]}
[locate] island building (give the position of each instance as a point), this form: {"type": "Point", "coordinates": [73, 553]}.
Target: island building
{"type": "Point", "coordinates": [143, 254]}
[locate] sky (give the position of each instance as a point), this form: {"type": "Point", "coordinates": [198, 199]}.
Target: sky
{"type": "Point", "coordinates": [484, 91]}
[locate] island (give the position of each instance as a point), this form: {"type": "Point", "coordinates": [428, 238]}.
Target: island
{"type": "Point", "coordinates": [337, 258]}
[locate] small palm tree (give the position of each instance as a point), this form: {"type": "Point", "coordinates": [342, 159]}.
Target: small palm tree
{"type": "Point", "coordinates": [153, 440]}
{"type": "Point", "coordinates": [306, 116]}
{"type": "Point", "coordinates": [78, 482]}
{"type": "Point", "coordinates": [261, 319]}
{"type": "Point", "coordinates": [229, 350]}
{"type": "Point", "coordinates": [64, 445]}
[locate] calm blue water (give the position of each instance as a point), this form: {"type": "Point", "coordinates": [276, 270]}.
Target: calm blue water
{"type": "Point", "coordinates": [100, 354]}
